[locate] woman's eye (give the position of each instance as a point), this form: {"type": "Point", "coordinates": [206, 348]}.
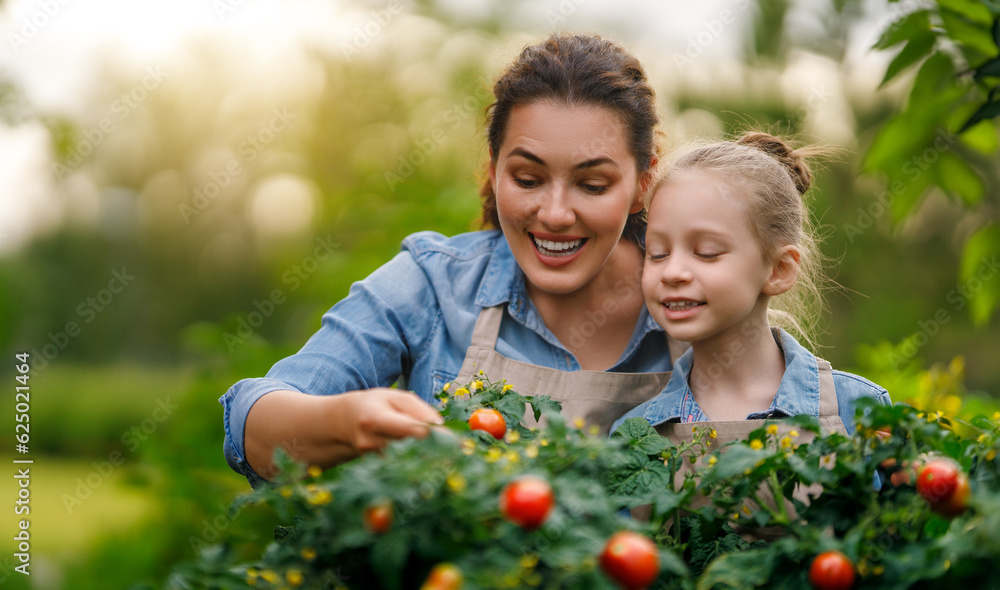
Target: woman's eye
{"type": "Point", "coordinates": [596, 189]}
{"type": "Point", "coordinates": [526, 183]}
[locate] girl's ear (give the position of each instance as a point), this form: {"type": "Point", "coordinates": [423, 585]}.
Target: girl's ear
{"type": "Point", "coordinates": [784, 271]}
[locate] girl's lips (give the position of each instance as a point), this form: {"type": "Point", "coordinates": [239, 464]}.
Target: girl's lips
{"type": "Point", "coordinates": [680, 309]}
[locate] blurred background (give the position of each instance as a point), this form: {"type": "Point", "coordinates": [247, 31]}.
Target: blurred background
{"type": "Point", "coordinates": [186, 186]}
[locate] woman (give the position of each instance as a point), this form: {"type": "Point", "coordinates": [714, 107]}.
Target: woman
{"type": "Point", "coordinates": [552, 303]}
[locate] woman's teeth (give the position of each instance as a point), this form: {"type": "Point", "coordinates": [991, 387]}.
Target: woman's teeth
{"type": "Point", "coordinates": [681, 305]}
{"type": "Point", "coordinates": [550, 248]}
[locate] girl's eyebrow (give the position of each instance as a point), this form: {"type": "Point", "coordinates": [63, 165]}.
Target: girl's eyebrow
{"type": "Point", "coordinates": [585, 164]}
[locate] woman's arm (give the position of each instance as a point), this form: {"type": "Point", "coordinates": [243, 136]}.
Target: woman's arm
{"type": "Point", "coordinates": [328, 430]}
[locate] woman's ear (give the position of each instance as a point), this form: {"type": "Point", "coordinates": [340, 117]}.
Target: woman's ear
{"type": "Point", "coordinates": [784, 271]}
{"type": "Point", "coordinates": [646, 182]}
{"type": "Point", "coordinates": [493, 173]}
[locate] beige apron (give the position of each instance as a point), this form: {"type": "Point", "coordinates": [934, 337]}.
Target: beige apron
{"type": "Point", "coordinates": [598, 397]}
{"type": "Point", "coordinates": [829, 421]}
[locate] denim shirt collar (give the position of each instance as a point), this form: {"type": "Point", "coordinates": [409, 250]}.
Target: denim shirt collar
{"type": "Point", "coordinates": [503, 282]}
{"type": "Point", "coordinates": [797, 394]}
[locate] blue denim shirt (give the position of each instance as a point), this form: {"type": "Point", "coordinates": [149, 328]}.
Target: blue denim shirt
{"type": "Point", "coordinates": [411, 321]}
{"type": "Point", "coordinates": [797, 394]}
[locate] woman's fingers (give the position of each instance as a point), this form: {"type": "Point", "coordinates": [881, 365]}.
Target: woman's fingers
{"type": "Point", "coordinates": [387, 414]}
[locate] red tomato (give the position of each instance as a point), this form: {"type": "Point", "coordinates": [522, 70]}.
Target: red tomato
{"type": "Point", "coordinates": [944, 486]}
{"type": "Point", "coordinates": [489, 420]}
{"type": "Point", "coordinates": [831, 570]}
{"type": "Point", "coordinates": [444, 576]}
{"type": "Point", "coordinates": [630, 560]}
{"type": "Point", "coordinates": [378, 517]}
{"type": "Point", "coordinates": [527, 501]}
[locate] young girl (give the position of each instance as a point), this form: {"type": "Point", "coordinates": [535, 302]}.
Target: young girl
{"type": "Point", "coordinates": [728, 238]}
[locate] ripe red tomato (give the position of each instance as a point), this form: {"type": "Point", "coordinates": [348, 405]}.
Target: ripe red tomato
{"type": "Point", "coordinates": [527, 501]}
{"type": "Point", "coordinates": [489, 420]}
{"type": "Point", "coordinates": [630, 560]}
{"type": "Point", "coordinates": [444, 576]}
{"type": "Point", "coordinates": [831, 570]}
{"type": "Point", "coordinates": [378, 517]}
{"type": "Point", "coordinates": [944, 486]}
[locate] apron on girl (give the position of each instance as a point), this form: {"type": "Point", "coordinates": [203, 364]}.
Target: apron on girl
{"type": "Point", "coordinates": [598, 397]}
{"type": "Point", "coordinates": [727, 431]}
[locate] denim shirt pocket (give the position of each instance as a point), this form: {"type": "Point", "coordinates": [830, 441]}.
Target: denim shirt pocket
{"type": "Point", "coordinates": [439, 378]}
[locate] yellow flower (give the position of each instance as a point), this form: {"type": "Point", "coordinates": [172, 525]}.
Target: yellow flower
{"type": "Point", "coordinates": [529, 561]}
{"type": "Point", "coordinates": [793, 433]}
{"type": "Point", "coordinates": [294, 577]}
{"type": "Point", "coordinates": [321, 497]}
{"type": "Point", "coordinates": [506, 388]}
{"type": "Point", "coordinates": [991, 455]}
{"type": "Point", "coordinates": [746, 511]}
{"type": "Point", "coordinates": [513, 457]}
{"type": "Point", "coordinates": [712, 460]}
{"type": "Point", "coordinates": [712, 433]}
{"type": "Point", "coordinates": [513, 436]}
{"type": "Point", "coordinates": [735, 515]}
{"type": "Point", "coordinates": [446, 387]}
{"type": "Point", "coordinates": [772, 429]}
{"type": "Point", "coordinates": [531, 451]}
{"type": "Point", "coordinates": [252, 576]}
{"type": "Point", "coordinates": [270, 576]}
{"type": "Point", "coordinates": [982, 438]}
{"type": "Point", "coordinates": [286, 492]}
{"type": "Point", "coordinates": [785, 442]}
{"type": "Point", "coordinates": [578, 422]}
{"type": "Point", "coordinates": [544, 442]}
{"type": "Point", "coordinates": [314, 471]}
{"type": "Point", "coordinates": [996, 415]}
{"type": "Point", "coordinates": [461, 391]}
{"type": "Point", "coordinates": [594, 430]}
{"type": "Point", "coordinates": [456, 482]}
{"type": "Point", "coordinates": [694, 430]}
{"type": "Point", "coordinates": [493, 455]}
{"type": "Point", "coordinates": [308, 553]}
{"type": "Point", "coordinates": [878, 570]}
{"type": "Point", "coordinates": [481, 372]}
{"type": "Point", "coordinates": [756, 445]}
{"type": "Point", "coordinates": [477, 384]}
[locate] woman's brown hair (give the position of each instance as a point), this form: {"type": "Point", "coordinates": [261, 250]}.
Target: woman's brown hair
{"type": "Point", "coordinates": [584, 70]}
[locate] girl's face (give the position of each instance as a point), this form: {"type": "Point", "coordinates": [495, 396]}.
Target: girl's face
{"type": "Point", "coordinates": [565, 183]}
{"type": "Point", "coordinates": [704, 276]}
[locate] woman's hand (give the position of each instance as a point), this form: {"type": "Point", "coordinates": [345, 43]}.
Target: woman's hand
{"type": "Point", "coordinates": [331, 429]}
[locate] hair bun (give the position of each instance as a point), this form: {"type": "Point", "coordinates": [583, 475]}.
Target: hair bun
{"type": "Point", "coordinates": [793, 161]}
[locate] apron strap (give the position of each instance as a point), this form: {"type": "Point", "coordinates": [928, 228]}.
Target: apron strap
{"type": "Point", "coordinates": [828, 405]}
{"type": "Point", "coordinates": [487, 327]}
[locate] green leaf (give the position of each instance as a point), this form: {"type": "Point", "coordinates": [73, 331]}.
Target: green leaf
{"type": "Point", "coordinates": [980, 280]}
{"type": "Point", "coordinates": [743, 569]}
{"type": "Point", "coordinates": [388, 556]}
{"type": "Point", "coordinates": [989, 69]}
{"type": "Point", "coordinates": [996, 31]}
{"type": "Point", "coordinates": [985, 112]}
{"type": "Point", "coordinates": [642, 437]}
{"type": "Point", "coordinates": [734, 461]}
{"type": "Point", "coordinates": [973, 36]}
{"type": "Point", "coordinates": [909, 27]}
{"type": "Point", "coordinates": [914, 50]}
{"type": "Point", "coordinates": [970, 9]}
{"type": "Point", "coordinates": [956, 177]}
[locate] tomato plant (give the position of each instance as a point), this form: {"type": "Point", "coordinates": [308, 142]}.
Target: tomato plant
{"type": "Point", "coordinates": [378, 517]}
{"type": "Point", "coordinates": [444, 576]}
{"type": "Point", "coordinates": [831, 570]}
{"type": "Point", "coordinates": [631, 560]}
{"type": "Point", "coordinates": [944, 486]}
{"type": "Point", "coordinates": [488, 420]}
{"type": "Point", "coordinates": [527, 501]}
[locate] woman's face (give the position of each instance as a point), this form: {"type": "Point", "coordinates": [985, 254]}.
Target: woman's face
{"type": "Point", "coordinates": [565, 184]}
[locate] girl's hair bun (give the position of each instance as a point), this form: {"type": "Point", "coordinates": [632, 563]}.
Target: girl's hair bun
{"type": "Point", "coordinates": [793, 161]}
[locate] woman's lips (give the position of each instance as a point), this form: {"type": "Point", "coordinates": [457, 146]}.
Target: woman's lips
{"type": "Point", "coordinates": [557, 250]}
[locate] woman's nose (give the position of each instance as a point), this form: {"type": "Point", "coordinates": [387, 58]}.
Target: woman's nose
{"type": "Point", "coordinates": [555, 210]}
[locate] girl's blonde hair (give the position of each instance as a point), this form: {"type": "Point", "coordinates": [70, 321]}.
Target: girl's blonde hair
{"type": "Point", "coordinates": [774, 178]}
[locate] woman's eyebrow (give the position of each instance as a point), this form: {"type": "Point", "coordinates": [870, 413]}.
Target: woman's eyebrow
{"type": "Point", "coordinates": [585, 164]}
